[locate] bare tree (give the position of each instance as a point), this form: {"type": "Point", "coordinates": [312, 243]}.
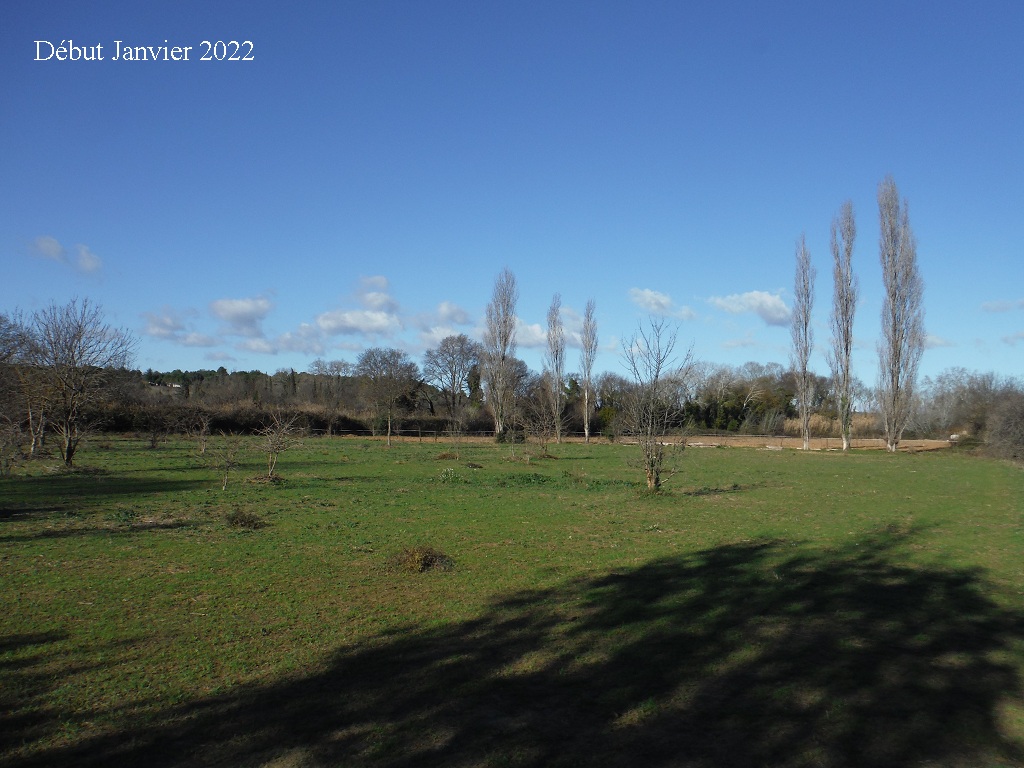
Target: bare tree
{"type": "Point", "coordinates": [902, 343]}
{"type": "Point", "coordinates": [534, 411]}
{"type": "Point", "coordinates": [12, 332]}
{"type": "Point", "coordinates": [554, 365]}
{"type": "Point", "coordinates": [651, 406]}
{"type": "Point", "coordinates": [588, 353]}
{"type": "Point", "coordinates": [225, 455]}
{"type": "Point", "coordinates": [388, 375]}
{"type": "Point", "coordinates": [500, 349]}
{"type": "Point", "coordinates": [449, 367]}
{"type": "Point", "coordinates": [77, 355]}
{"type": "Point", "coordinates": [803, 336]}
{"type": "Point", "coordinates": [278, 435]}
{"type": "Point", "coordinates": [844, 304]}
{"type": "Point", "coordinates": [196, 424]}
{"type": "Point", "coordinates": [12, 350]}
{"type": "Point", "coordinates": [1005, 434]}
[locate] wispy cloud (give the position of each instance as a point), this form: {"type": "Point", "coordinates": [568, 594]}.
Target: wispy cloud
{"type": "Point", "coordinates": [932, 341]}
{"type": "Point", "coordinates": [658, 303]}
{"type": "Point", "coordinates": [84, 260]}
{"type": "Point", "coordinates": [46, 247]}
{"type": "Point", "coordinates": [172, 325]}
{"type": "Point", "coordinates": [1002, 306]}
{"type": "Point", "coordinates": [87, 260]}
{"type": "Point", "coordinates": [1014, 338]}
{"type": "Point", "coordinates": [744, 343]}
{"type": "Point", "coordinates": [768, 306]}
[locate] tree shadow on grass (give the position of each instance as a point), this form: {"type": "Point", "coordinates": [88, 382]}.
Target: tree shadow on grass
{"type": "Point", "coordinates": [39, 498]}
{"type": "Point", "coordinates": [743, 655]}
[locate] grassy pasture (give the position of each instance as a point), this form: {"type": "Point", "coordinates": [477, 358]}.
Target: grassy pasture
{"type": "Point", "coordinates": [769, 608]}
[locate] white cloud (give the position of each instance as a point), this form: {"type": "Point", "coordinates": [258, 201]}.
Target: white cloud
{"type": "Point", "coordinates": [658, 303]}
{"type": "Point", "coordinates": [197, 340]}
{"type": "Point", "coordinates": [531, 336]}
{"type": "Point", "coordinates": [354, 321]}
{"type": "Point", "coordinates": [452, 313]}
{"type": "Point", "coordinates": [373, 294]}
{"type": "Point", "coordinates": [378, 316]}
{"type": "Point", "coordinates": [433, 335]}
{"type": "Point", "coordinates": [1002, 306]}
{"type": "Point", "coordinates": [243, 316]}
{"type": "Point", "coordinates": [768, 306]}
{"type": "Point", "coordinates": [1014, 338]}
{"type": "Point", "coordinates": [166, 325]}
{"type": "Point", "coordinates": [262, 346]}
{"type": "Point", "coordinates": [307, 339]}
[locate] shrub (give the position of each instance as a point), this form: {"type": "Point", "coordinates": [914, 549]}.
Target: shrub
{"type": "Point", "coordinates": [1006, 428]}
{"type": "Point", "coordinates": [244, 519]}
{"type": "Point", "coordinates": [420, 559]}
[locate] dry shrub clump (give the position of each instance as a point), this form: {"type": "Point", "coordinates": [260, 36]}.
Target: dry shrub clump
{"type": "Point", "coordinates": [420, 559]}
{"type": "Point", "coordinates": [244, 519]}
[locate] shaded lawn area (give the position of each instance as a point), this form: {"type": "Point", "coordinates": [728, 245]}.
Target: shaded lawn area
{"type": "Point", "coordinates": [746, 654]}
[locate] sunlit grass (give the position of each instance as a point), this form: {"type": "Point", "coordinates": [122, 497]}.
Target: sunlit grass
{"type": "Point", "coordinates": [133, 586]}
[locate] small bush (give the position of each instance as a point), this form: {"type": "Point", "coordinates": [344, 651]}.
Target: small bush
{"type": "Point", "coordinates": [1006, 428]}
{"type": "Point", "coordinates": [244, 519]}
{"type": "Point", "coordinates": [449, 475]}
{"type": "Point", "coordinates": [421, 559]}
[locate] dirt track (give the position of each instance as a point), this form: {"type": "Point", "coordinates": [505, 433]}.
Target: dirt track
{"type": "Point", "coordinates": [817, 444]}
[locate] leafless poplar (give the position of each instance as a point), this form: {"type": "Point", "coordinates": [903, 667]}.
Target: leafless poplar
{"type": "Point", "coordinates": [902, 344]}
{"type": "Point", "coordinates": [500, 349]}
{"type": "Point", "coordinates": [554, 365]}
{"type": "Point", "coordinates": [802, 333]}
{"type": "Point", "coordinates": [588, 353]}
{"type": "Point", "coordinates": [844, 304]}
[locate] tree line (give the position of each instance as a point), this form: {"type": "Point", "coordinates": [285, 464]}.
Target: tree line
{"type": "Point", "coordinates": [65, 372]}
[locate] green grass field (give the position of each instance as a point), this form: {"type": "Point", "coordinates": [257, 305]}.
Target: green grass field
{"type": "Point", "coordinates": [769, 608]}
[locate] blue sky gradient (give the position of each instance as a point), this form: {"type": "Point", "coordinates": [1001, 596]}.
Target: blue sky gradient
{"type": "Point", "coordinates": [365, 178]}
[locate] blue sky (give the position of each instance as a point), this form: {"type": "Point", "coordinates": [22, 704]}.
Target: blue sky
{"type": "Point", "coordinates": [363, 180]}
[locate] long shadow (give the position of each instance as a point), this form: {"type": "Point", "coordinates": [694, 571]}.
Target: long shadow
{"type": "Point", "coordinates": [40, 496]}
{"type": "Point", "coordinates": [94, 530]}
{"type": "Point", "coordinates": [742, 655]}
